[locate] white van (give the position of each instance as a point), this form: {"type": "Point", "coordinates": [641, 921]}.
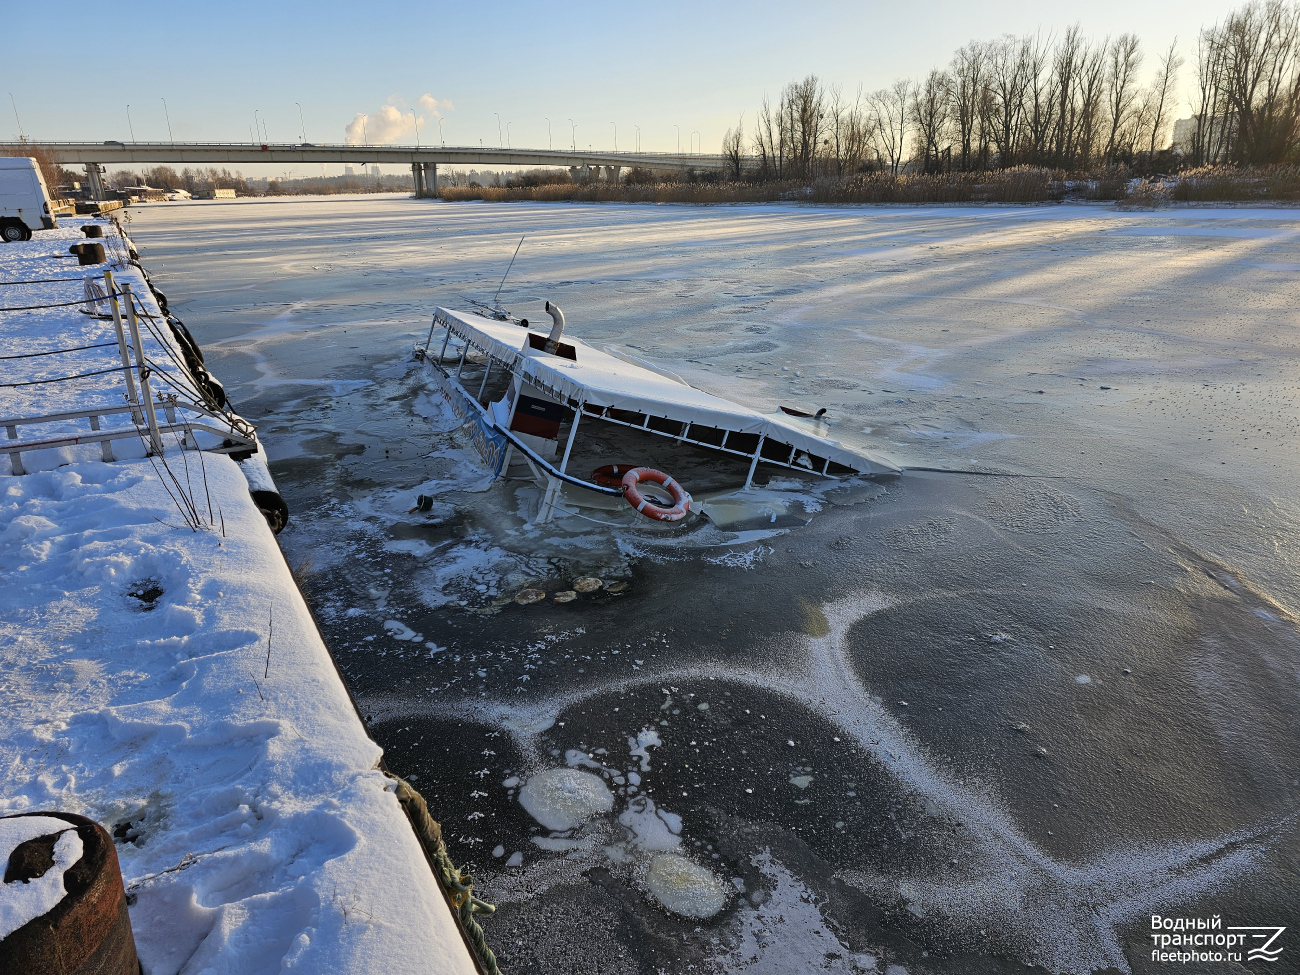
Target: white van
{"type": "Point", "coordinates": [24, 200]}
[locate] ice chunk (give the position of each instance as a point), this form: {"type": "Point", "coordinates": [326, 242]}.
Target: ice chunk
{"type": "Point", "coordinates": [801, 781]}
{"type": "Point", "coordinates": [516, 860]}
{"type": "Point", "coordinates": [652, 829]}
{"type": "Point", "coordinates": [562, 798]}
{"type": "Point", "coordinates": [684, 887]}
{"type": "Point", "coordinates": [400, 631]}
{"type": "Point", "coordinates": [640, 746]}
{"type": "Point", "coordinates": [499, 851]}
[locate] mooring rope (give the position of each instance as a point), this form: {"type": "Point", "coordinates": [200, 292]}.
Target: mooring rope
{"type": "Point", "coordinates": [456, 883]}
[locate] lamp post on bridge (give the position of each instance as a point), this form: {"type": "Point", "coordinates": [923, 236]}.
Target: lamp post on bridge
{"type": "Point", "coordinates": [440, 137]}
{"type": "Point", "coordinates": [128, 123]}
{"type": "Point", "coordinates": [301, 123]}
{"type": "Point", "coordinates": [615, 124]}
{"type": "Point", "coordinates": [507, 135]}
{"type": "Point", "coordinates": [701, 143]}
{"type": "Point", "coordinates": [169, 122]}
{"type": "Point", "coordinates": [415, 118]}
{"type": "Point", "coordinates": [498, 115]}
{"type": "Point", "coordinates": [638, 137]}
{"type": "Point", "coordinates": [679, 138]}
{"type": "Point", "coordinates": [548, 135]}
{"type": "Point", "coordinates": [573, 136]}
{"type": "Point", "coordinates": [257, 126]}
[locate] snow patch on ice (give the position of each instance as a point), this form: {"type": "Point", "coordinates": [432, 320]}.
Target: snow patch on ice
{"type": "Point", "coordinates": [640, 746]}
{"type": "Point", "coordinates": [565, 798]}
{"type": "Point", "coordinates": [684, 887]}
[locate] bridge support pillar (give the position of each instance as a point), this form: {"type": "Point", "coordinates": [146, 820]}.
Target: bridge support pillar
{"type": "Point", "coordinates": [426, 179]}
{"type": "Point", "coordinates": [96, 185]}
{"type": "Point", "coordinates": [611, 173]}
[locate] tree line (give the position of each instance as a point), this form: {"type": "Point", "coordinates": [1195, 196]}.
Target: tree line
{"type": "Point", "coordinates": [1062, 102]}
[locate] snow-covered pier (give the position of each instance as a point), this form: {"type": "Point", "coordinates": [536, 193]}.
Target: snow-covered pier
{"type": "Point", "coordinates": [160, 672]}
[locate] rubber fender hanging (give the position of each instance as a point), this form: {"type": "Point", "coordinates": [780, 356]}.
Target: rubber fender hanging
{"type": "Point", "coordinates": [179, 326]}
{"type": "Point", "coordinates": [263, 491]}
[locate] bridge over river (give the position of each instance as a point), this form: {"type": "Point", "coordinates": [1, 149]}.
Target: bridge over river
{"type": "Point", "coordinates": [423, 160]}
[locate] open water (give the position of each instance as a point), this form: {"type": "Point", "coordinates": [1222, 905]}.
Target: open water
{"type": "Point", "coordinates": [945, 722]}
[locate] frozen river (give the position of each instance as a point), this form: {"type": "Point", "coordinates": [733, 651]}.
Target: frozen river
{"type": "Point", "coordinates": [954, 722]}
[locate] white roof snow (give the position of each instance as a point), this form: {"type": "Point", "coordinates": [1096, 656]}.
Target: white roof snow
{"type": "Point", "coordinates": [598, 379]}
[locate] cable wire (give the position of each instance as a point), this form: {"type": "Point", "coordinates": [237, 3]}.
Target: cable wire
{"type": "Point", "coordinates": [75, 348]}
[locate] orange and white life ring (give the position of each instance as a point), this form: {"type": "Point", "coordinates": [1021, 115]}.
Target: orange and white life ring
{"type": "Point", "coordinates": [681, 500]}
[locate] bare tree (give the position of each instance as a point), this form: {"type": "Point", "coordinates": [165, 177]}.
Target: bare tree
{"type": "Point", "coordinates": [733, 144]}
{"type": "Point", "coordinates": [967, 82]}
{"type": "Point", "coordinates": [1123, 61]}
{"type": "Point", "coordinates": [889, 122]}
{"type": "Point", "coordinates": [1008, 73]}
{"type": "Point", "coordinates": [1161, 92]}
{"type": "Point", "coordinates": [931, 101]}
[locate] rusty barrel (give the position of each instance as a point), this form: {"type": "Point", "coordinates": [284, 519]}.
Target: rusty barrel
{"type": "Point", "coordinates": [92, 230]}
{"type": "Point", "coordinates": [88, 931]}
{"type": "Point", "coordinates": [88, 252]}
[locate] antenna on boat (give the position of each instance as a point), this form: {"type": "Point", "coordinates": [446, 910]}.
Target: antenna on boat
{"type": "Point", "coordinates": [496, 303]}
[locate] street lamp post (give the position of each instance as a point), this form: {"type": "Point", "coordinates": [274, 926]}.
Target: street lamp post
{"type": "Point", "coordinates": [440, 138]}
{"type": "Point", "coordinates": [507, 135]}
{"type": "Point", "coordinates": [365, 139]}
{"type": "Point", "coordinates": [257, 126]}
{"type": "Point", "coordinates": [128, 122]}
{"type": "Point", "coordinates": [573, 136]}
{"type": "Point", "coordinates": [548, 134]}
{"type": "Point", "coordinates": [693, 142]}
{"type": "Point", "coordinates": [416, 119]}
{"type": "Point", "coordinates": [301, 123]}
{"type": "Point", "coordinates": [615, 124]}
{"type": "Point", "coordinates": [679, 138]}
{"type": "Point", "coordinates": [498, 115]}
{"type": "Point", "coordinates": [169, 122]}
{"type": "Point", "coordinates": [638, 137]}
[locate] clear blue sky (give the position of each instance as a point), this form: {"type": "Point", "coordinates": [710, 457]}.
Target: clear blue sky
{"type": "Point", "coordinates": [696, 65]}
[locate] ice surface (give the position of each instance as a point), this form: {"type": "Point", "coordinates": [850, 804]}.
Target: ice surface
{"type": "Point", "coordinates": [785, 931]}
{"type": "Point", "coordinates": [564, 798]}
{"type": "Point", "coordinates": [685, 887]}
{"type": "Point", "coordinates": [25, 901]}
{"type": "Point", "coordinates": [954, 337]}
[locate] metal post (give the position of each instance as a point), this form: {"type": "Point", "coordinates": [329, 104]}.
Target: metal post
{"type": "Point", "coordinates": [444, 343]}
{"type": "Point", "coordinates": [105, 446]}
{"type": "Point", "coordinates": [464, 353]}
{"type": "Point", "coordinates": [573, 431]}
{"type": "Point", "coordinates": [753, 464]}
{"type": "Point", "coordinates": [131, 397]}
{"type": "Point", "coordinates": [155, 436]}
{"type": "Point", "coordinates": [15, 456]}
{"type": "Point", "coordinates": [483, 385]}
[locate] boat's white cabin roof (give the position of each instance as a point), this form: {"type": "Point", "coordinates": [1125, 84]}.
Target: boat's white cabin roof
{"type": "Point", "coordinates": [597, 379]}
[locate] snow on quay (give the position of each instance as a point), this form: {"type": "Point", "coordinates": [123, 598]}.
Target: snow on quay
{"type": "Point", "coordinates": [171, 684]}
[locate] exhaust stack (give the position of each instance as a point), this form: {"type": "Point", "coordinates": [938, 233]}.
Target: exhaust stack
{"type": "Point", "coordinates": [553, 340]}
